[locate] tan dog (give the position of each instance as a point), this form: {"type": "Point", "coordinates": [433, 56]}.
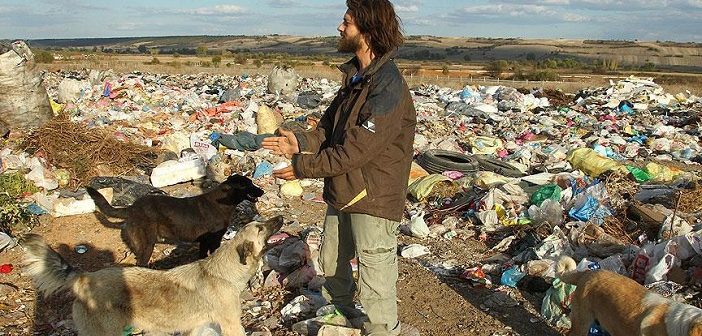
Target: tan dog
{"type": "Point", "coordinates": [181, 299]}
{"type": "Point", "coordinates": [623, 307]}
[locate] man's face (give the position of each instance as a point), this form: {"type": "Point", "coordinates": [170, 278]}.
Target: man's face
{"type": "Point", "coordinates": [350, 40]}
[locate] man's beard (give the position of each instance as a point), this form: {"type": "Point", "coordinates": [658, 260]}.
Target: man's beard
{"type": "Point", "coordinates": [349, 45]}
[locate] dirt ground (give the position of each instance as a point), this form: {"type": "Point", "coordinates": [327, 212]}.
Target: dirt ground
{"type": "Point", "coordinates": [432, 296]}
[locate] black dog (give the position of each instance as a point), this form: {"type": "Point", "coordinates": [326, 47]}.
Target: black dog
{"type": "Point", "coordinates": [203, 218]}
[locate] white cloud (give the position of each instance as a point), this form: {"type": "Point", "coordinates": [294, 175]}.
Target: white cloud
{"type": "Point", "coordinates": [407, 9]}
{"type": "Point", "coordinates": [128, 26]}
{"type": "Point", "coordinates": [407, 6]}
{"type": "Point", "coordinates": [508, 10]}
{"type": "Point", "coordinates": [284, 3]}
{"type": "Point", "coordinates": [420, 22]}
{"type": "Point", "coordinates": [218, 10]}
{"type": "Point", "coordinates": [571, 17]}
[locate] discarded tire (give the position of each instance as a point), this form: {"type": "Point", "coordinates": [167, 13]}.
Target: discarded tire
{"type": "Point", "coordinates": [437, 161]}
{"type": "Point", "coordinates": [487, 163]}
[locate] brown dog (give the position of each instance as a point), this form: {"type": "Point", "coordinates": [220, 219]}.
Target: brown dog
{"type": "Point", "coordinates": [203, 218]}
{"type": "Point", "coordinates": [623, 307]}
{"type": "Point", "coordinates": [181, 299]}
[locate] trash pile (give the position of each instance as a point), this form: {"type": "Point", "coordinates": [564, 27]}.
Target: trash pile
{"type": "Point", "coordinates": [608, 176]}
{"type": "Point", "coordinates": [610, 179]}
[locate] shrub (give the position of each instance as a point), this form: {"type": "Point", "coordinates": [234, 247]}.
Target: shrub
{"type": "Point", "coordinates": [216, 60]}
{"type": "Point", "coordinates": [43, 56]}
{"type": "Point", "coordinates": [497, 68]}
{"type": "Point", "coordinates": [543, 75]}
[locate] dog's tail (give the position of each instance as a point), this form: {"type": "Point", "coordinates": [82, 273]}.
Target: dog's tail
{"type": "Point", "coordinates": [105, 206]}
{"type": "Point", "coordinates": [566, 270]}
{"type": "Point", "coordinates": [47, 268]}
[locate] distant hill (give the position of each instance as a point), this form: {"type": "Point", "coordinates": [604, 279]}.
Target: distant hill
{"type": "Point", "coordinates": [676, 56]}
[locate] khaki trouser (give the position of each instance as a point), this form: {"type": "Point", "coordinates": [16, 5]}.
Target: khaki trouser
{"type": "Point", "coordinates": [374, 241]}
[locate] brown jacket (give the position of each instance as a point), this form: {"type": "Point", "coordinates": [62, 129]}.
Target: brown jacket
{"type": "Point", "coordinates": [363, 145]}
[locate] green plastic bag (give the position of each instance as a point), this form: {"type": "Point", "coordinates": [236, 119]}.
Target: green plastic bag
{"type": "Point", "coordinates": [639, 174]}
{"type": "Point", "coordinates": [549, 191]}
{"type": "Point", "coordinates": [553, 306]}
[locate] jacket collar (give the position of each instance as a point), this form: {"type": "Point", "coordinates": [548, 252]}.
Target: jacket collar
{"type": "Point", "coordinates": [351, 67]}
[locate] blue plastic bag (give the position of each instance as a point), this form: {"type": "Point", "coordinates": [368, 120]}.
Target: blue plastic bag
{"type": "Point", "coordinates": [591, 209]}
{"type": "Point", "coordinates": [512, 276]}
{"type": "Point", "coordinates": [264, 168]}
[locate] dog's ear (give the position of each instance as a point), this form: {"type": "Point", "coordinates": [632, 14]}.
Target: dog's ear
{"type": "Point", "coordinates": [245, 250]}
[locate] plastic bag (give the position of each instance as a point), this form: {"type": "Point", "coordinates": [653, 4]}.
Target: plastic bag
{"type": "Point", "coordinates": [422, 187]}
{"type": "Point", "coordinates": [549, 191]}
{"type": "Point", "coordinates": [549, 212]}
{"type": "Point", "coordinates": [591, 163]}
{"type": "Point", "coordinates": [597, 242]}
{"type": "Point", "coordinates": [24, 103]}
{"type": "Point", "coordinates": [614, 263]}
{"type": "Point", "coordinates": [673, 228]}
{"type": "Point", "coordinates": [588, 208]}
{"type": "Point", "coordinates": [660, 173]}
{"type": "Point", "coordinates": [267, 120]}
{"type": "Point", "coordinates": [512, 276]}
{"type": "Point", "coordinates": [484, 145]}
{"type": "Point", "coordinates": [554, 245]}
{"type": "Point", "coordinates": [639, 174]}
{"type": "Point", "coordinates": [418, 227]}
{"type": "Point", "coordinates": [282, 80]}
{"type": "Point", "coordinates": [554, 303]}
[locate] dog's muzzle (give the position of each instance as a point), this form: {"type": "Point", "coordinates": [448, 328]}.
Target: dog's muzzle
{"type": "Point", "coordinates": [252, 198]}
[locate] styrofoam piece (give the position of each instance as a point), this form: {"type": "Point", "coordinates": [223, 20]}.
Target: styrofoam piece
{"type": "Point", "coordinates": [174, 172]}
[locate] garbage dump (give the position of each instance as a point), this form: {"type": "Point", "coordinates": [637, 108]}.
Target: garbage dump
{"type": "Point", "coordinates": [608, 176]}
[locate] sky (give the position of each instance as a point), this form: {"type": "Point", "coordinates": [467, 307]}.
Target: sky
{"type": "Point", "coordinates": [645, 20]}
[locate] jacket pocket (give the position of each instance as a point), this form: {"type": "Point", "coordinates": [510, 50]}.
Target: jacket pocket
{"type": "Point", "coordinates": [368, 185]}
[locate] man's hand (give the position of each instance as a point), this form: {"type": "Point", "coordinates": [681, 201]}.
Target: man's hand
{"type": "Point", "coordinates": [286, 144]}
{"type": "Point", "coordinates": [286, 173]}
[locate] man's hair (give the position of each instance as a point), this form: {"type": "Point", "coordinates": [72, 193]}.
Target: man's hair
{"type": "Point", "coordinates": [378, 23]}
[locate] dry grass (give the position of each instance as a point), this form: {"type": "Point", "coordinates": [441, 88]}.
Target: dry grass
{"type": "Point", "coordinates": [83, 151]}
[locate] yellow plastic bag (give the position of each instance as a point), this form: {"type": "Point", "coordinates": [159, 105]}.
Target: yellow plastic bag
{"type": "Point", "coordinates": [484, 145]}
{"type": "Point", "coordinates": [661, 174]}
{"type": "Point", "coordinates": [422, 187]}
{"type": "Point", "coordinates": [55, 107]}
{"type": "Point", "coordinates": [488, 180]}
{"type": "Point", "coordinates": [592, 163]}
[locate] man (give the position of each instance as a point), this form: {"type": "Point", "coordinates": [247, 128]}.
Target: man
{"type": "Point", "coordinates": [362, 147]}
